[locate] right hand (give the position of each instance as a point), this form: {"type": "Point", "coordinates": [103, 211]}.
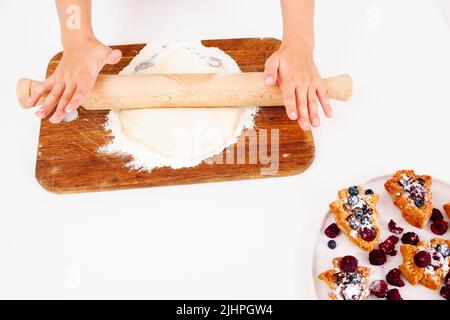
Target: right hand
{"type": "Point", "coordinates": [70, 84]}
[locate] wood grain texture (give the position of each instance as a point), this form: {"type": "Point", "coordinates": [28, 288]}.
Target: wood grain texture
{"type": "Point", "coordinates": [68, 161]}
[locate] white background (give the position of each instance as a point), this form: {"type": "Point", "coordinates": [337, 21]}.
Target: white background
{"type": "Point", "coordinates": [247, 239]}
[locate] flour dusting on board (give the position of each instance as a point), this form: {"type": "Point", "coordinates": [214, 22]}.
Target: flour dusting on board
{"type": "Point", "coordinates": [176, 138]}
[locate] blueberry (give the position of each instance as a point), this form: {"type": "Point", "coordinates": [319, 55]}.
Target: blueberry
{"type": "Point", "coordinates": [331, 244]}
{"type": "Point", "coordinates": [354, 225]}
{"type": "Point", "coordinates": [353, 191]}
{"type": "Point", "coordinates": [352, 200]}
{"type": "Point", "coordinates": [358, 213]}
{"type": "Point", "coordinates": [369, 191]}
{"type": "Point", "coordinates": [355, 278]}
{"type": "Point", "coordinates": [418, 202]}
{"type": "Point", "coordinates": [443, 249]}
{"type": "Point", "coordinates": [421, 181]}
{"type": "Point", "coordinates": [365, 220]}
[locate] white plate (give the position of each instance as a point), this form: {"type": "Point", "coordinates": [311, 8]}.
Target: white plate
{"type": "Point", "coordinates": [324, 255]}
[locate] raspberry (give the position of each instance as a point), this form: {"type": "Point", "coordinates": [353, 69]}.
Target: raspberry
{"type": "Point", "coordinates": [439, 227]}
{"type": "Point", "coordinates": [377, 257]}
{"type": "Point", "coordinates": [349, 264]}
{"type": "Point", "coordinates": [379, 288]}
{"type": "Point", "coordinates": [436, 215]}
{"type": "Point", "coordinates": [393, 294]}
{"type": "Point", "coordinates": [447, 279]}
{"type": "Point", "coordinates": [388, 246]}
{"type": "Point", "coordinates": [332, 231]}
{"type": "Point", "coordinates": [410, 238]}
{"type": "Point", "coordinates": [445, 292]}
{"type": "Point", "coordinates": [367, 234]}
{"type": "Point", "coordinates": [422, 259]}
{"type": "Point", "coordinates": [393, 278]}
{"type": "Point", "coordinates": [393, 227]}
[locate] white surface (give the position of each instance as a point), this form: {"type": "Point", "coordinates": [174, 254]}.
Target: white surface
{"type": "Point", "coordinates": [323, 256]}
{"type": "Point", "coordinates": [195, 242]}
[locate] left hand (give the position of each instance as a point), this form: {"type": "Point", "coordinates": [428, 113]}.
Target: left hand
{"type": "Point", "coordinates": [293, 67]}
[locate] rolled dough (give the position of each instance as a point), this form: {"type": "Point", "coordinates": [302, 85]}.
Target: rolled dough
{"type": "Point", "coordinates": [181, 137]}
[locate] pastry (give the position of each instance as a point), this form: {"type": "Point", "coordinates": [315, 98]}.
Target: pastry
{"type": "Point", "coordinates": [347, 280]}
{"type": "Point", "coordinates": [356, 216]}
{"type": "Point", "coordinates": [447, 209]}
{"type": "Point", "coordinates": [412, 195]}
{"type": "Point", "coordinates": [427, 263]}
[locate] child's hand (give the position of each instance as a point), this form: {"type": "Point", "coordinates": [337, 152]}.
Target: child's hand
{"type": "Point", "coordinates": [293, 67]}
{"type": "Point", "coordinates": [73, 79]}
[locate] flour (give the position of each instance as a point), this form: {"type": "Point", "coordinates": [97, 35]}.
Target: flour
{"type": "Point", "coordinates": [180, 137]}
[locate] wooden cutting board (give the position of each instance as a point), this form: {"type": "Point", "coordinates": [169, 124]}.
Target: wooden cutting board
{"type": "Point", "coordinates": [68, 161]}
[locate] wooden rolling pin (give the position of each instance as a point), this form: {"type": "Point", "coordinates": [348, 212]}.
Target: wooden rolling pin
{"type": "Point", "coordinates": [186, 90]}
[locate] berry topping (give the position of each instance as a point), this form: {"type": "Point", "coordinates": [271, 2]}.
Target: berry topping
{"type": "Point", "coordinates": [393, 294]}
{"type": "Point", "coordinates": [332, 231]}
{"type": "Point", "coordinates": [377, 257]}
{"type": "Point", "coordinates": [422, 259]}
{"type": "Point", "coordinates": [418, 203]}
{"type": "Point", "coordinates": [420, 181]}
{"type": "Point", "coordinates": [331, 244]}
{"type": "Point", "coordinates": [365, 219]}
{"type": "Point", "coordinates": [445, 292]}
{"type": "Point", "coordinates": [436, 215]}
{"type": "Point", "coordinates": [354, 224]}
{"type": "Point", "coordinates": [393, 278]}
{"type": "Point", "coordinates": [349, 264]}
{"type": "Point", "coordinates": [447, 279]}
{"type": "Point", "coordinates": [379, 288]}
{"type": "Point", "coordinates": [369, 192]}
{"type": "Point", "coordinates": [353, 200]}
{"type": "Point", "coordinates": [410, 238]}
{"type": "Point", "coordinates": [443, 249]}
{"type": "Point", "coordinates": [355, 278]}
{"type": "Point", "coordinates": [414, 188]}
{"type": "Point", "coordinates": [393, 227]}
{"type": "Point", "coordinates": [353, 191]}
{"type": "Point", "coordinates": [437, 260]}
{"type": "Point", "coordinates": [358, 213]}
{"type": "Point", "coordinates": [439, 227]}
{"type": "Point", "coordinates": [367, 233]}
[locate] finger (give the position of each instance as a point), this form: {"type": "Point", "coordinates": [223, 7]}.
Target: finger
{"type": "Point", "coordinates": [65, 98]}
{"type": "Point", "coordinates": [79, 96]}
{"type": "Point", "coordinates": [51, 101]}
{"type": "Point", "coordinates": [324, 101]}
{"type": "Point", "coordinates": [312, 107]}
{"type": "Point", "coordinates": [39, 90]}
{"type": "Point", "coordinates": [302, 106]}
{"type": "Point", "coordinates": [288, 92]}
{"type": "Point", "coordinates": [114, 57]}
{"type": "Point", "coordinates": [271, 71]}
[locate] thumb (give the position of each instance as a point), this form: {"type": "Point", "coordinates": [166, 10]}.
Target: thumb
{"type": "Point", "coordinates": [271, 71]}
{"type": "Point", "coordinates": [114, 57]}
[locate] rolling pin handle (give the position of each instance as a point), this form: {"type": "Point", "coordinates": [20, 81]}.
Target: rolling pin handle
{"type": "Point", "coordinates": [24, 87]}
{"type": "Point", "coordinates": [339, 87]}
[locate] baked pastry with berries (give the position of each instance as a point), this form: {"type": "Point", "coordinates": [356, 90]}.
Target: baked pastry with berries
{"type": "Point", "coordinates": [357, 216]}
{"type": "Point", "coordinates": [411, 193]}
{"type": "Point", "coordinates": [347, 280]}
{"type": "Point", "coordinates": [426, 263]}
{"type": "Point", "coordinates": [447, 209]}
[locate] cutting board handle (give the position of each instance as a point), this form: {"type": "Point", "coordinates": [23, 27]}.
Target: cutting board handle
{"type": "Point", "coordinates": [186, 90]}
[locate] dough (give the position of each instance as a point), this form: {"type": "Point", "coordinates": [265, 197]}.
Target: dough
{"type": "Point", "coordinates": [180, 137]}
